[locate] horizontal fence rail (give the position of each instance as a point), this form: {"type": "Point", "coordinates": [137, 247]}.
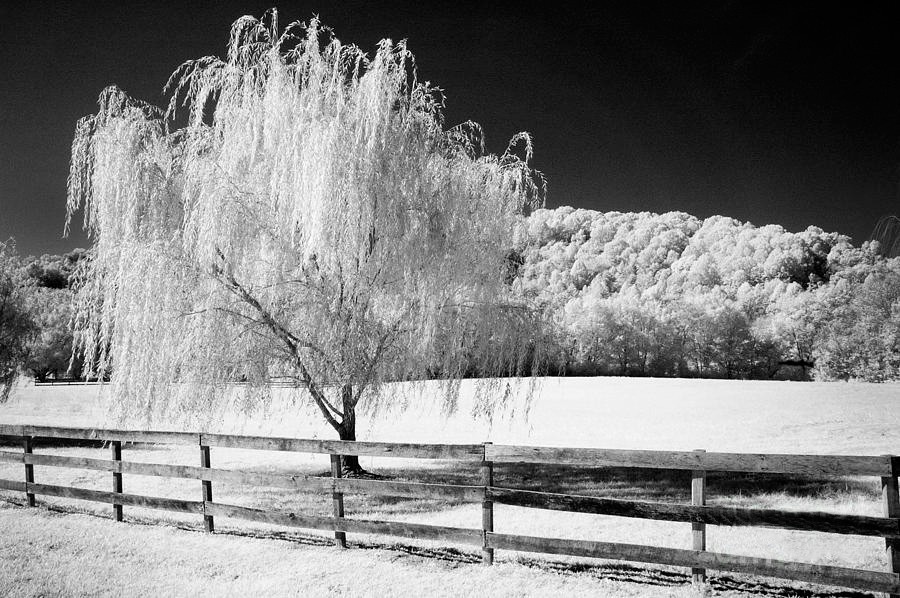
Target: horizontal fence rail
{"type": "Point", "coordinates": [486, 456]}
{"type": "Point", "coordinates": [821, 574]}
{"type": "Point", "coordinates": [729, 516]}
{"type": "Point", "coordinates": [829, 465]}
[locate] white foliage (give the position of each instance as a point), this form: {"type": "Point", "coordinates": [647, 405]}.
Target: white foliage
{"type": "Point", "coordinates": [311, 220]}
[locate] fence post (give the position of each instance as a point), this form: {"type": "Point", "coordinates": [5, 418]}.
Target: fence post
{"type": "Point", "coordinates": [487, 508]}
{"type": "Point", "coordinates": [890, 499]}
{"type": "Point", "coordinates": [698, 530]}
{"type": "Point", "coordinates": [27, 446]}
{"type": "Point", "coordinates": [116, 450]}
{"type": "Point", "coordinates": [208, 522]}
{"type": "Point", "coordinates": [340, 538]}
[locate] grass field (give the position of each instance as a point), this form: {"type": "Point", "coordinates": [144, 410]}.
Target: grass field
{"type": "Point", "coordinates": [86, 556]}
{"type": "Point", "coordinates": [650, 413]}
{"type": "Point", "coordinates": [600, 412]}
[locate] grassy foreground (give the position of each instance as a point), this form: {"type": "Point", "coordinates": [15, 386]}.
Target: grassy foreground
{"type": "Point", "coordinates": [50, 554]}
{"type": "Point", "coordinates": [856, 496]}
{"type": "Point", "coordinates": [604, 412]}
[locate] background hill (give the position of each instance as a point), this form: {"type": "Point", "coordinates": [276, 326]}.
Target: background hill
{"type": "Point", "coordinates": [674, 295]}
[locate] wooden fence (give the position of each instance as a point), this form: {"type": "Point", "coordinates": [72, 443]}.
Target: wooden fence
{"type": "Point", "coordinates": [484, 456]}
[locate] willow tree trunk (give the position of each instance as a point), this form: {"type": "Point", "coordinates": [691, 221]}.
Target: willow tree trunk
{"type": "Point", "coordinates": [347, 431]}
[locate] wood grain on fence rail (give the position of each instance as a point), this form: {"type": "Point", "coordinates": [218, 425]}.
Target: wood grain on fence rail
{"type": "Point", "coordinates": [297, 482]}
{"type": "Point", "coordinates": [820, 574]}
{"type": "Point", "coordinates": [456, 452]}
{"type": "Point", "coordinates": [712, 515]}
{"type": "Point", "coordinates": [12, 485]}
{"type": "Point", "coordinates": [687, 460]}
{"type": "Point", "coordinates": [135, 500]}
{"type": "Point", "coordinates": [11, 430]}
{"type": "Point", "coordinates": [459, 535]}
{"type": "Point", "coordinates": [8, 457]}
{"type": "Point", "coordinates": [829, 465]}
{"type": "Point", "coordinates": [410, 489]}
{"type": "Point", "coordinates": [102, 434]}
{"type": "Point", "coordinates": [390, 528]}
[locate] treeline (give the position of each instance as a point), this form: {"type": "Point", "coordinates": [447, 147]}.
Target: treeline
{"type": "Point", "coordinates": [673, 295]}
{"type": "Point", "coordinates": [635, 294]}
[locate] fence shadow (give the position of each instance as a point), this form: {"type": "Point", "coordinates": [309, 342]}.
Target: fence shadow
{"type": "Point", "coordinates": [642, 484]}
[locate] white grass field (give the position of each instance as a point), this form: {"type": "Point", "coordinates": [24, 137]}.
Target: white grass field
{"type": "Point", "coordinates": [648, 413]}
{"type": "Point", "coordinates": [598, 412]}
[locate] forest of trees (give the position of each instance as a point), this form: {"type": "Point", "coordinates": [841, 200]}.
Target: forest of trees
{"type": "Point", "coordinates": [673, 295]}
{"type": "Point", "coordinates": [635, 294]}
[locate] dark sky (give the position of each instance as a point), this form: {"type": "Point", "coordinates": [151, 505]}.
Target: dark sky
{"type": "Point", "coordinates": [781, 113]}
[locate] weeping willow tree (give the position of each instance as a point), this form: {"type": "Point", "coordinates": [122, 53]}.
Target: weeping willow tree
{"type": "Point", "coordinates": [309, 219]}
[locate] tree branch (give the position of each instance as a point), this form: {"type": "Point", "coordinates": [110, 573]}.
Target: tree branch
{"type": "Point", "coordinates": [290, 341]}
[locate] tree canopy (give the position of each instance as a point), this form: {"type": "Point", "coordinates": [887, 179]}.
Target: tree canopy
{"type": "Point", "coordinates": [309, 218]}
{"type": "Point", "coordinates": [671, 294]}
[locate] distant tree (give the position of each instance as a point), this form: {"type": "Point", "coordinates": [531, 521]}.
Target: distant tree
{"type": "Point", "coordinates": [311, 221]}
{"type": "Point", "coordinates": [681, 323]}
{"type": "Point", "coordinates": [732, 342]}
{"type": "Point", "coordinates": [16, 326]}
{"type": "Point", "coordinates": [861, 336]}
{"type": "Point", "coordinates": [50, 353]}
{"type": "Point", "coordinates": [54, 271]}
{"type": "Point", "coordinates": [47, 282]}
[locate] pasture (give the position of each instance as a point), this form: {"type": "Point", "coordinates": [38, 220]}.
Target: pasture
{"type": "Point", "coordinates": [596, 412]}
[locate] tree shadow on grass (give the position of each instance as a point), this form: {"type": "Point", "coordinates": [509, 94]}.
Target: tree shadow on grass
{"type": "Point", "coordinates": [641, 484]}
{"type": "Point", "coordinates": [750, 489]}
{"type": "Point", "coordinates": [741, 489]}
{"type": "Point", "coordinates": [612, 482]}
{"type": "Point", "coordinates": [674, 485]}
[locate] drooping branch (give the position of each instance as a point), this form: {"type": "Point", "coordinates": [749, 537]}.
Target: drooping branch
{"type": "Point", "coordinates": [291, 342]}
{"type": "Point", "coordinates": [228, 279]}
